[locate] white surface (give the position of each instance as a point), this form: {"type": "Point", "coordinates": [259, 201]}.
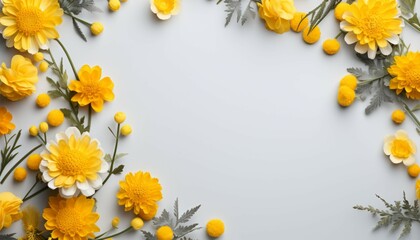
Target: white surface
{"type": "Point", "coordinates": [238, 119]}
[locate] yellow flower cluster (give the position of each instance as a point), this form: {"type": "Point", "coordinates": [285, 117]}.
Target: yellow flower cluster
{"type": "Point", "coordinates": [9, 209]}
{"type": "Point", "coordinates": [346, 90]}
{"type": "Point", "coordinates": [406, 75]}
{"type": "Point", "coordinates": [6, 125]}
{"type": "Point", "coordinates": [277, 14]}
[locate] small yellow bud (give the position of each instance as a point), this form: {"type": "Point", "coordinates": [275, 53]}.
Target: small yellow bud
{"type": "Point", "coordinates": [43, 100]}
{"type": "Point", "coordinates": [164, 233]}
{"type": "Point", "coordinates": [350, 81]}
{"type": "Point", "coordinates": [96, 28]}
{"type": "Point", "coordinates": [313, 36]}
{"type": "Point", "coordinates": [38, 57]}
{"type": "Point", "coordinates": [398, 116]}
{"type": "Point", "coordinates": [43, 67]}
{"type": "Point", "coordinates": [114, 5]}
{"type": "Point", "coordinates": [298, 22]}
{"type": "Point", "coordinates": [119, 117]}
{"type": "Point", "coordinates": [43, 127]}
{"type": "Point", "coordinates": [340, 9]}
{"type": "Point", "coordinates": [19, 174]}
{"type": "Point", "coordinates": [331, 46]}
{"type": "Point", "coordinates": [33, 162]}
{"type": "Point", "coordinates": [413, 170]}
{"type": "Point", "coordinates": [126, 130]}
{"type": "Point", "coordinates": [137, 223]}
{"type": "Point", "coordinates": [115, 222]}
{"type": "Point", "coordinates": [150, 215]}
{"type": "Point", "coordinates": [55, 118]}
{"type": "Point", "coordinates": [33, 131]}
{"type": "Point", "coordinates": [345, 96]}
{"type": "Point", "coordinates": [215, 228]}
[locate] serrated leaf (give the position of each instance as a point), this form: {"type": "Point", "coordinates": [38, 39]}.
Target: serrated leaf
{"type": "Point", "coordinates": [378, 98]}
{"type": "Point", "coordinates": [54, 94]}
{"type": "Point", "coordinates": [181, 231]}
{"type": "Point", "coordinates": [232, 7]}
{"type": "Point", "coordinates": [406, 230]}
{"type": "Point", "coordinates": [357, 72]}
{"type": "Point", "coordinates": [118, 170]}
{"type": "Point", "coordinates": [78, 30]}
{"type": "Point", "coordinates": [176, 210]}
{"type": "Point", "coordinates": [63, 80]}
{"type": "Point", "coordinates": [188, 214]}
{"type": "Point", "coordinates": [163, 219]}
{"type": "Point", "coordinates": [248, 13]}
{"type": "Point", "coordinates": [148, 235]}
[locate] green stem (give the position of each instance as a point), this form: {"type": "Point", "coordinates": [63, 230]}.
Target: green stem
{"type": "Point", "coordinates": [32, 188]}
{"type": "Point", "coordinates": [368, 81]}
{"type": "Point", "coordinates": [89, 118]}
{"type": "Point", "coordinates": [78, 19]}
{"type": "Point", "coordinates": [116, 234]}
{"type": "Point", "coordinates": [410, 114]}
{"type": "Point", "coordinates": [68, 57]}
{"type": "Point", "coordinates": [35, 193]}
{"type": "Point", "coordinates": [114, 155]}
{"type": "Point", "coordinates": [415, 26]}
{"type": "Point", "coordinates": [338, 35]}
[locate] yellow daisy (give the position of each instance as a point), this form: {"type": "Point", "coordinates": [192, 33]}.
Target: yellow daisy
{"type": "Point", "coordinates": [164, 9]}
{"type": "Point", "coordinates": [29, 24]}
{"type": "Point", "coordinates": [9, 209]}
{"type": "Point", "coordinates": [91, 89]}
{"type": "Point", "coordinates": [73, 163]}
{"type": "Point", "coordinates": [406, 73]}
{"type": "Point", "coordinates": [140, 192]}
{"type": "Point", "coordinates": [71, 218]}
{"type": "Point", "coordinates": [400, 148]}
{"type": "Point", "coordinates": [372, 24]}
{"type": "Point", "coordinates": [6, 125]}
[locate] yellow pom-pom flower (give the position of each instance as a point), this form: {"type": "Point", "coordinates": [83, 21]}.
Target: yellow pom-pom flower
{"type": "Point", "coordinates": [277, 14]}
{"type": "Point", "coordinates": [418, 189]}
{"type": "Point", "coordinates": [38, 57]}
{"type": "Point", "coordinates": [413, 170]}
{"type": "Point", "coordinates": [398, 116]}
{"type": "Point", "coordinates": [33, 162]}
{"type": "Point", "coordinates": [340, 9]}
{"type": "Point", "coordinates": [6, 125]}
{"type": "Point", "coordinates": [18, 81]}
{"type": "Point", "coordinates": [215, 228]}
{"type": "Point", "coordinates": [406, 75]}
{"type": "Point", "coordinates": [114, 5]}
{"type": "Point", "coordinates": [164, 9]}
{"type": "Point", "coordinates": [350, 81]}
{"type": "Point", "coordinates": [400, 148]}
{"type": "Point", "coordinates": [137, 223]}
{"type": "Point", "coordinates": [331, 46]}
{"type": "Point", "coordinates": [115, 222]}
{"type": "Point", "coordinates": [313, 36]}
{"type": "Point", "coordinates": [9, 209]}
{"type": "Point", "coordinates": [43, 127]}
{"type": "Point", "coordinates": [96, 28]}
{"type": "Point", "coordinates": [55, 117]}
{"type": "Point", "coordinates": [43, 100]}
{"type": "Point", "coordinates": [149, 216]}
{"type": "Point", "coordinates": [119, 117]}
{"type": "Point", "coordinates": [164, 233]}
{"type": "Point", "coordinates": [345, 96]}
{"type": "Point", "coordinates": [299, 22]}
{"type": "Point", "coordinates": [43, 66]}
{"type": "Point", "coordinates": [126, 130]}
{"type": "Point", "coordinates": [19, 174]}
{"type": "Point", "coordinates": [33, 131]}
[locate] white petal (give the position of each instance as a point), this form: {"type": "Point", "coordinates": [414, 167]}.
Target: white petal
{"type": "Point", "coordinates": [386, 50]}
{"type": "Point", "coordinates": [394, 39]}
{"type": "Point", "coordinates": [395, 160]}
{"type": "Point", "coordinates": [372, 53]}
{"type": "Point", "coordinates": [46, 177]}
{"type": "Point", "coordinates": [362, 49]}
{"type": "Point", "coordinates": [61, 136]}
{"type": "Point", "coordinates": [73, 131]}
{"type": "Point", "coordinates": [104, 167]}
{"type": "Point", "coordinates": [44, 163]}
{"type": "Point", "coordinates": [52, 185]}
{"type": "Point", "coordinates": [68, 192]}
{"type": "Point", "coordinates": [82, 185]}
{"type": "Point", "coordinates": [401, 134]}
{"type": "Point", "coordinates": [387, 148]}
{"type": "Point", "coordinates": [350, 38]}
{"type": "Point", "coordinates": [88, 192]}
{"type": "Point", "coordinates": [97, 183]}
{"type": "Point", "coordinates": [163, 16]}
{"type": "Point", "coordinates": [409, 161]}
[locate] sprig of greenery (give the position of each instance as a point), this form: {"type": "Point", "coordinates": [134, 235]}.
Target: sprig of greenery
{"type": "Point", "coordinates": [235, 6]}
{"type": "Point", "coordinates": [176, 222]}
{"type": "Point", "coordinates": [409, 14]}
{"type": "Point", "coordinates": [318, 14]}
{"type": "Point", "coordinates": [401, 213]}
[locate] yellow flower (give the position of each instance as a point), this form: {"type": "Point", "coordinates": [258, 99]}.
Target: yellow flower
{"type": "Point", "coordinates": [371, 25]}
{"type": "Point", "coordinates": [43, 100]}
{"type": "Point", "coordinates": [115, 222]}
{"type": "Point", "coordinates": [19, 174]}
{"type": "Point", "coordinates": [164, 9]}
{"type": "Point", "coordinates": [126, 130]}
{"type": "Point", "coordinates": [340, 9]}
{"type": "Point", "coordinates": [215, 228]}
{"type": "Point", "coordinates": [298, 23]}
{"type": "Point", "coordinates": [6, 125]}
{"type": "Point", "coordinates": [72, 163]}
{"type": "Point", "coordinates": [9, 209]}
{"type": "Point", "coordinates": [33, 162]}
{"type": "Point", "coordinates": [400, 148]}
{"type": "Point", "coordinates": [30, 219]}
{"type": "Point", "coordinates": [43, 127]}
{"type": "Point", "coordinates": [345, 96]}
{"type": "Point", "coordinates": [331, 46]}
{"type": "Point", "coordinates": [19, 80]}
{"type": "Point", "coordinates": [418, 189]}
{"type": "Point", "coordinates": [33, 131]}
{"type": "Point", "coordinates": [350, 81]}
{"type": "Point", "coordinates": [114, 5]}
{"type": "Point", "coordinates": [406, 73]}
{"type": "Point", "coordinates": [139, 191]}
{"type": "Point", "coordinates": [119, 117]}
{"type": "Point", "coordinates": [137, 223]}
{"type": "Point", "coordinates": [413, 170]}
{"type": "Point", "coordinates": [313, 36]}
{"type": "Point", "coordinates": [150, 215]}
{"type": "Point", "coordinates": [28, 25]}
{"type": "Point", "coordinates": [91, 89]}
{"type": "Point", "coordinates": [55, 117]}
{"type": "Point", "coordinates": [164, 233]}
{"type": "Point", "coordinates": [43, 66]}
{"type": "Point", "coordinates": [38, 57]}
{"type": "Point", "coordinates": [96, 28]}
{"type": "Point", "coordinates": [71, 218]}
{"type": "Point", "coordinates": [277, 14]}
{"type": "Point", "coordinates": [398, 116]}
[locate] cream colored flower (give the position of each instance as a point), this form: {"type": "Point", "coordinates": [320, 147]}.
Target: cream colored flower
{"type": "Point", "coordinates": [400, 148]}
{"type": "Point", "coordinates": [164, 9]}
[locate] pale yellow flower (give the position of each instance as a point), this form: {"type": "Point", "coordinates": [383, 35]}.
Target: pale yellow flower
{"type": "Point", "coordinates": [6, 125]}
{"type": "Point", "coordinates": [277, 14]}
{"type": "Point", "coordinates": [9, 209]}
{"type": "Point", "coordinates": [400, 148]}
{"type": "Point", "coordinates": [406, 75]}
{"type": "Point", "coordinates": [164, 9]}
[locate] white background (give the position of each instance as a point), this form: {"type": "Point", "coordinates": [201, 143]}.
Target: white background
{"type": "Point", "coordinates": [239, 119]}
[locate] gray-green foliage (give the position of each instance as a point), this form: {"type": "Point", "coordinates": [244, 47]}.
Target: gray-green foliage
{"type": "Point", "coordinates": [318, 14]}
{"type": "Point", "coordinates": [397, 215]}
{"type": "Point", "coordinates": [409, 15]}
{"type": "Point", "coordinates": [177, 222]}
{"type": "Point", "coordinates": [236, 6]}
{"type": "Point", "coordinates": [7, 236]}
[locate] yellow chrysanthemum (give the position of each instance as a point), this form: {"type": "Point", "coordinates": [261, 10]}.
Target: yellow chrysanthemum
{"type": "Point", "coordinates": [9, 209]}
{"type": "Point", "coordinates": [31, 219]}
{"type": "Point", "coordinates": [164, 9]}
{"type": "Point", "coordinates": [28, 25]}
{"type": "Point", "coordinates": [277, 14]}
{"type": "Point", "coordinates": [6, 125]}
{"type": "Point", "coordinates": [73, 163]}
{"type": "Point", "coordinates": [400, 148]}
{"type": "Point", "coordinates": [372, 24]}
{"type": "Point", "coordinates": [19, 80]}
{"type": "Point", "coordinates": [91, 89]}
{"type": "Point", "coordinates": [140, 192]}
{"type": "Point", "coordinates": [71, 218]}
{"type": "Point", "coordinates": [406, 73]}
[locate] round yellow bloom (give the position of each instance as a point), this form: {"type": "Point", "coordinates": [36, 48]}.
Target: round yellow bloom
{"type": "Point", "coordinates": [139, 191]}
{"type": "Point", "coordinates": [6, 125]}
{"type": "Point", "coordinates": [331, 46]}
{"type": "Point", "coordinates": [277, 14]}
{"type": "Point", "coordinates": [137, 223]}
{"type": "Point", "coordinates": [150, 215]}
{"type": "Point", "coordinates": [413, 170]}
{"type": "Point", "coordinates": [398, 116]}
{"type": "Point", "coordinates": [313, 36]}
{"type": "Point", "coordinates": [418, 189]}
{"type": "Point", "coordinates": [164, 9]}
{"type": "Point", "coordinates": [115, 222]}
{"type": "Point", "coordinates": [114, 5]}
{"type": "Point", "coordinates": [340, 9]}
{"type": "Point", "coordinates": [9, 209]}
{"type": "Point", "coordinates": [371, 25]}
{"type": "Point", "coordinates": [299, 22]}
{"type": "Point", "coordinates": [400, 148]}
{"type": "Point", "coordinates": [38, 57]}
{"type": "Point", "coordinates": [43, 67]}
{"type": "Point", "coordinates": [28, 25]}
{"type": "Point", "coordinates": [43, 127]}
{"type": "Point", "coordinates": [164, 233]}
{"type": "Point", "coordinates": [33, 131]}
{"type": "Point", "coordinates": [73, 163]}
{"type": "Point", "coordinates": [215, 228]}
{"type": "Point", "coordinates": [19, 80]}
{"type": "Point", "coordinates": [345, 96]}
{"type": "Point", "coordinates": [406, 73]}
{"type": "Point", "coordinates": [33, 162]}
{"type": "Point", "coordinates": [350, 81]}
{"type": "Point", "coordinates": [43, 100]}
{"type": "Point", "coordinates": [55, 117]}
{"type": "Point", "coordinates": [126, 130]}
{"type": "Point", "coordinates": [71, 218]}
{"type": "Point", "coordinates": [119, 117]}
{"type": "Point", "coordinates": [19, 174]}
{"type": "Point", "coordinates": [96, 28]}
{"type": "Point", "coordinates": [91, 89]}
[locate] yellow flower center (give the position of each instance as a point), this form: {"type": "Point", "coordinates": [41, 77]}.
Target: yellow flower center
{"type": "Point", "coordinates": [372, 26]}
{"type": "Point", "coordinates": [29, 20]}
{"type": "Point", "coordinates": [72, 162]}
{"type": "Point", "coordinates": [138, 192]}
{"type": "Point", "coordinates": [401, 148]}
{"type": "Point", "coordinates": [413, 76]}
{"type": "Point", "coordinates": [165, 6]}
{"type": "Point", "coordinates": [91, 90]}
{"type": "Point", "coordinates": [69, 221]}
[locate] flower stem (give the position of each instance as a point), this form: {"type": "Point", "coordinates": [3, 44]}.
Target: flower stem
{"type": "Point", "coordinates": [35, 193]}
{"type": "Point", "coordinates": [89, 118]}
{"type": "Point", "coordinates": [114, 154]}
{"type": "Point", "coordinates": [339, 34]}
{"type": "Point", "coordinates": [116, 234]}
{"type": "Point", "coordinates": [30, 190]}
{"type": "Point", "coordinates": [78, 19]}
{"type": "Point", "coordinates": [410, 114]}
{"type": "Point", "coordinates": [68, 57]}
{"type": "Point", "coordinates": [412, 24]}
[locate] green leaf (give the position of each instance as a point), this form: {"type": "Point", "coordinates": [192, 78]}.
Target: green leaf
{"type": "Point", "coordinates": [108, 158]}
{"type": "Point", "coordinates": [232, 7]}
{"type": "Point", "coordinates": [51, 82]}
{"type": "Point", "coordinates": [54, 94]}
{"type": "Point", "coordinates": [248, 13]}
{"type": "Point", "coordinates": [120, 155]}
{"type": "Point", "coordinates": [78, 30]}
{"type": "Point", "coordinates": [188, 214]}
{"type": "Point", "coordinates": [163, 219]}
{"type": "Point", "coordinates": [118, 170]}
{"type": "Point", "coordinates": [67, 112]}
{"type": "Point", "coordinates": [148, 235]}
